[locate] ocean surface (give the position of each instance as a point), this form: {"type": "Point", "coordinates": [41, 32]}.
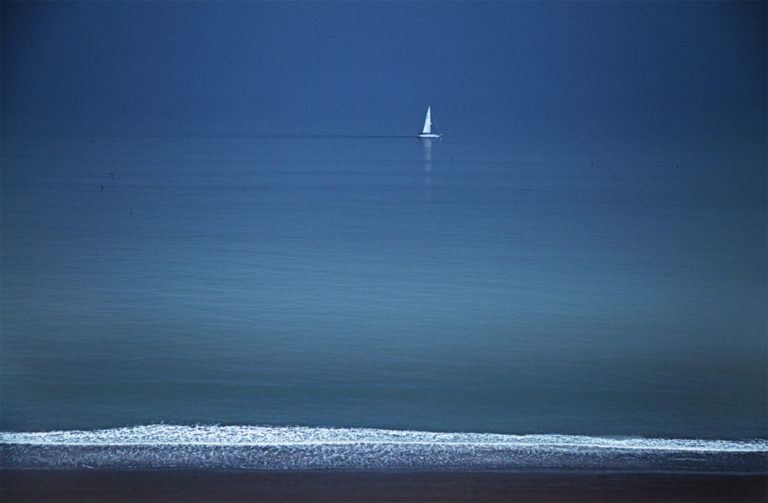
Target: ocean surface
{"type": "Point", "coordinates": [512, 297]}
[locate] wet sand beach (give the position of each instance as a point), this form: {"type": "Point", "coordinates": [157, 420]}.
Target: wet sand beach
{"type": "Point", "coordinates": [343, 486]}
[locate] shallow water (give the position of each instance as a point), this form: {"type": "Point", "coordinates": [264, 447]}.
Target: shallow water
{"type": "Point", "coordinates": [456, 285]}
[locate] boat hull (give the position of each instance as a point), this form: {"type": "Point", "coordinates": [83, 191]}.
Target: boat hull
{"type": "Point", "coordinates": [429, 135]}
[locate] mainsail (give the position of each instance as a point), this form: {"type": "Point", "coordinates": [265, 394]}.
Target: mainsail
{"type": "Point", "coordinates": [428, 122]}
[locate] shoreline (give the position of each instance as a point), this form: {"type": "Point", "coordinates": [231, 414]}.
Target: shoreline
{"type": "Point", "coordinates": [83, 485]}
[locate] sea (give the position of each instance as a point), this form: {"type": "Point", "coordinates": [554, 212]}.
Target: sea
{"type": "Point", "coordinates": [381, 302]}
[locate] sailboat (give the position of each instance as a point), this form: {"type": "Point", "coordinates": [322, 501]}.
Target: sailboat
{"type": "Point", "coordinates": [427, 133]}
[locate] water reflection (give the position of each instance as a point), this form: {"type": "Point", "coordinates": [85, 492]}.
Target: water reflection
{"type": "Point", "coordinates": [427, 146]}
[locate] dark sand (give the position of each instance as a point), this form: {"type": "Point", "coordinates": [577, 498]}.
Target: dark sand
{"type": "Point", "coordinates": [330, 486]}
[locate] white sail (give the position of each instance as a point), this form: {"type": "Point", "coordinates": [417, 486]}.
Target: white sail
{"type": "Point", "coordinates": [428, 122]}
{"type": "Point", "coordinates": [427, 133]}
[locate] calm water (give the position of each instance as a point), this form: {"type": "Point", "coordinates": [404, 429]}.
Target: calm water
{"type": "Point", "coordinates": [456, 285]}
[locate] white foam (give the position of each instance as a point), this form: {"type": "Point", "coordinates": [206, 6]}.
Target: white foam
{"type": "Point", "coordinates": [161, 446]}
{"type": "Point", "coordinates": [216, 435]}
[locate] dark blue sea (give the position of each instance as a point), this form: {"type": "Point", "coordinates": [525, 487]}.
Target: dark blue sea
{"type": "Point", "coordinates": [468, 299]}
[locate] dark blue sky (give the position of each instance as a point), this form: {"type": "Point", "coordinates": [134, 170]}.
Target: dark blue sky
{"type": "Point", "coordinates": [689, 71]}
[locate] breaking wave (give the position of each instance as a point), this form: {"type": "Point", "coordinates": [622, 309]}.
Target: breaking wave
{"type": "Point", "coordinates": [161, 446]}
